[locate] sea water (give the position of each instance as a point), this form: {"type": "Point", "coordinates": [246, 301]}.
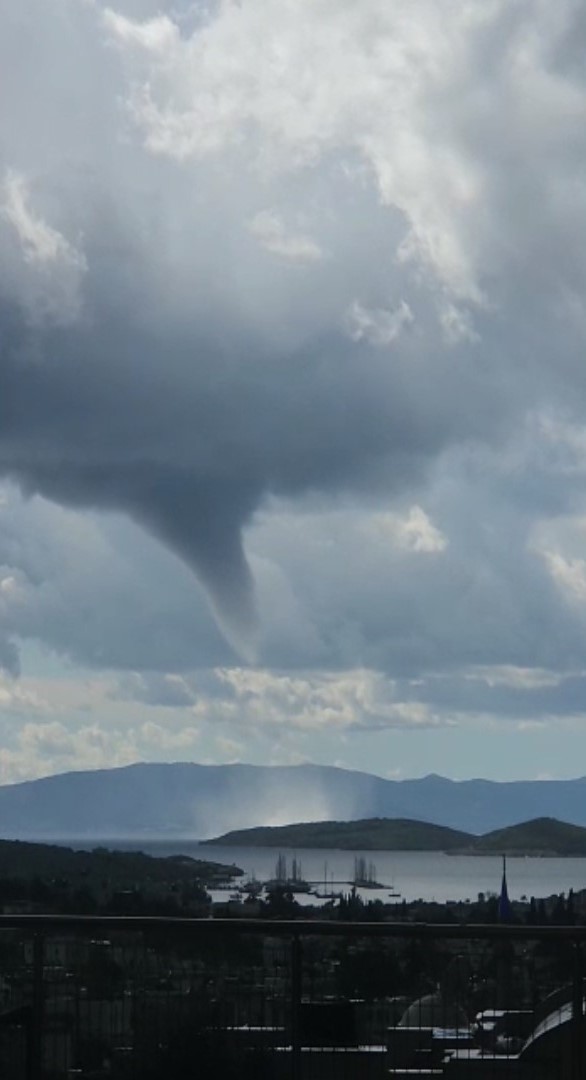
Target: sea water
{"type": "Point", "coordinates": [411, 874]}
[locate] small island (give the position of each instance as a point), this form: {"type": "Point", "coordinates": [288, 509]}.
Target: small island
{"type": "Point", "coordinates": [539, 837]}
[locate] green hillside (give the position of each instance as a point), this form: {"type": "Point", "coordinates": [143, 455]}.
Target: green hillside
{"type": "Point", "coordinates": [371, 834]}
{"type": "Point", "coordinates": [542, 836]}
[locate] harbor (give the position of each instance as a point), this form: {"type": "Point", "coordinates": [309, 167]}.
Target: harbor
{"type": "Point", "coordinates": [288, 875]}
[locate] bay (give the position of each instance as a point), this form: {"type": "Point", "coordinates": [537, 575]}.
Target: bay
{"type": "Point", "coordinates": [412, 874]}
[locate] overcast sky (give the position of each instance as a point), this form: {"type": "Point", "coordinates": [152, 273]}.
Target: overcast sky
{"type": "Point", "coordinates": [293, 384]}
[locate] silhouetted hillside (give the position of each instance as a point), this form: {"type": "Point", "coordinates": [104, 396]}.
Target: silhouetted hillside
{"type": "Point", "coordinates": [22, 860]}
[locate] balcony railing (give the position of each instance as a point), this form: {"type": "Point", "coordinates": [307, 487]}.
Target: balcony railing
{"type": "Point", "coordinates": [149, 998]}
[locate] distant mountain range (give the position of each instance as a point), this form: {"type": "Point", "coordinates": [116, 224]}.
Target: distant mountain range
{"type": "Point", "coordinates": [201, 801]}
{"type": "Point", "coordinates": [543, 836]}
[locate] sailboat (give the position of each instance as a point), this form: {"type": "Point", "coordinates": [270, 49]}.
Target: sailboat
{"type": "Point", "coordinates": [293, 881]}
{"type": "Point", "coordinates": [328, 892]}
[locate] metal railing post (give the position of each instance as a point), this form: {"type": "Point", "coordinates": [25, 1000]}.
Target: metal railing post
{"type": "Point", "coordinates": [34, 1063]}
{"type": "Point", "coordinates": [577, 1014]}
{"type": "Point", "coordinates": [296, 980]}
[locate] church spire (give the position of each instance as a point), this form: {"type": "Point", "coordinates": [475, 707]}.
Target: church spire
{"type": "Point", "coordinates": [504, 902]}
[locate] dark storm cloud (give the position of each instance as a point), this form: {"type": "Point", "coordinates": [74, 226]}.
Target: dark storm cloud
{"type": "Point", "coordinates": [187, 433]}
{"type": "Point", "coordinates": [228, 279]}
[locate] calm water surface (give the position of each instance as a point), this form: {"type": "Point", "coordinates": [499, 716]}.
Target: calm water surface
{"type": "Point", "coordinates": [427, 875]}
